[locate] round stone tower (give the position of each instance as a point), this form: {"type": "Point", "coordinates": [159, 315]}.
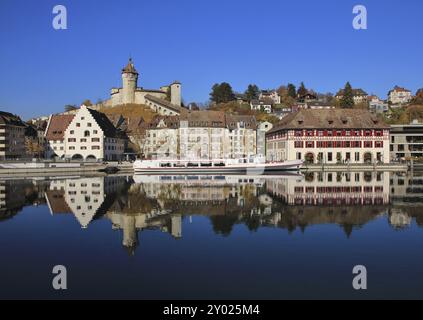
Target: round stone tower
{"type": "Point", "coordinates": [129, 83]}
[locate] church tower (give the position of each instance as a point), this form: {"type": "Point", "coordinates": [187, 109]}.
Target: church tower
{"type": "Point", "coordinates": [129, 83]}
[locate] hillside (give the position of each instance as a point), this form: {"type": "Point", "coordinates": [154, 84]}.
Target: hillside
{"type": "Point", "coordinates": [129, 111]}
{"type": "Point", "coordinates": [406, 115]}
{"type": "Point", "coordinates": [244, 109]}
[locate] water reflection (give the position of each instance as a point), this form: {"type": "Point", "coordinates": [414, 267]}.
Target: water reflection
{"type": "Point", "coordinates": [133, 204]}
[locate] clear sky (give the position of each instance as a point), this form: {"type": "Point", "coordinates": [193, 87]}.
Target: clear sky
{"type": "Point", "coordinates": [201, 42]}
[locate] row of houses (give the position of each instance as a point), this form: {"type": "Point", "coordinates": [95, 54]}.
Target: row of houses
{"type": "Point", "coordinates": [313, 135]}
{"type": "Point", "coordinates": [269, 100]}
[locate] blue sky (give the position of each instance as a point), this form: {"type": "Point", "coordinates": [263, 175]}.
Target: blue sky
{"type": "Point", "coordinates": [267, 42]}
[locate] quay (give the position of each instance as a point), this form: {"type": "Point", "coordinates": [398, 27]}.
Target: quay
{"type": "Point", "coordinates": [392, 167]}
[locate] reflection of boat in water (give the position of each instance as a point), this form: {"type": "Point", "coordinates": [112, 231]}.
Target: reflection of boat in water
{"type": "Point", "coordinates": [251, 165]}
{"type": "Point", "coordinates": [205, 179]}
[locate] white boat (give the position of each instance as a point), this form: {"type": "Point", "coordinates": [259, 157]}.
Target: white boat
{"type": "Point", "coordinates": [251, 166]}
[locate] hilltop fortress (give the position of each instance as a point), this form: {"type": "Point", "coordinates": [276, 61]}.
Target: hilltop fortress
{"type": "Point", "coordinates": [165, 101]}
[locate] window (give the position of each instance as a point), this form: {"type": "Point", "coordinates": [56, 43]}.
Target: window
{"type": "Point", "coordinates": [86, 133]}
{"type": "Point", "coordinates": [298, 133]}
{"type": "Point", "coordinates": [95, 140]}
{"type": "Point", "coordinates": [330, 157]}
{"type": "Point", "coordinates": [83, 148]}
{"type": "Point", "coordinates": [357, 157]}
{"type": "Point", "coordinates": [379, 144]}
{"type": "Point", "coordinates": [71, 148]}
{"type": "Point", "coordinates": [95, 148]}
{"type": "Point", "coordinates": [299, 144]}
{"type": "Point", "coordinates": [95, 132]}
{"type": "Point", "coordinates": [71, 140]}
{"type": "Point", "coordinates": [72, 132]}
{"type": "Point", "coordinates": [83, 140]}
{"type": "Point", "coordinates": [310, 144]}
{"type": "Point", "coordinates": [368, 144]}
{"type": "Point", "coordinates": [299, 156]}
{"type": "Point", "coordinates": [78, 124]}
{"type": "Point", "coordinates": [89, 124]}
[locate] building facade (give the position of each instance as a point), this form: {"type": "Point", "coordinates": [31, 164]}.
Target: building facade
{"type": "Point", "coordinates": [201, 135]}
{"type": "Point", "coordinates": [86, 135]}
{"type": "Point", "coordinates": [359, 95]}
{"type": "Point", "coordinates": [400, 95]}
{"type": "Point", "coordinates": [330, 136]}
{"type": "Point", "coordinates": [12, 136]}
{"type": "Point", "coordinates": [406, 142]}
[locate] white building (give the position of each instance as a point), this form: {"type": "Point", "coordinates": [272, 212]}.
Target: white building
{"type": "Point", "coordinates": [378, 105]}
{"type": "Point", "coordinates": [261, 105]}
{"type": "Point", "coordinates": [407, 142]}
{"type": "Point", "coordinates": [272, 95]}
{"type": "Point", "coordinates": [330, 136]}
{"type": "Point", "coordinates": [262, 129]}
{"type": "Point", "coordinates": [87, 135]}
{"type": "Point", "coordinates": [359, 95]}
{"type": "Point", "coordinates": [55, 135]}
{"type": "Point", "coordinates": [400, 96]}
{"type": "Point", "coordinates": [201, 135]}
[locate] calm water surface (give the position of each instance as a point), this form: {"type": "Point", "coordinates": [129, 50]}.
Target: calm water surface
{"type": "Point", "coordinates": [217, 237]}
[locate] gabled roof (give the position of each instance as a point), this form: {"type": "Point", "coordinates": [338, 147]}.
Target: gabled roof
{"type": "Point", "coordinates": [57, 126]}
{"type": "Point", "coordinates": [399, 89]}
{"type": "Point", "coordinates": [105, 124]}
{"type": "Point", "coordinates": [356, 92]}
{"type": "Point", "coordinates": [332, 119]}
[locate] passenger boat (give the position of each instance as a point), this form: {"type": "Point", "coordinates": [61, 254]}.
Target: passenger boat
{"type": "Point", "coordinates": [252, 165]}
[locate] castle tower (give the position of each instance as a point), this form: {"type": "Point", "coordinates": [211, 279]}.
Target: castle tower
{"type": "Point", "coordinates": [129, 83]}
{"type": "Point", "coordinates": [175, 93]}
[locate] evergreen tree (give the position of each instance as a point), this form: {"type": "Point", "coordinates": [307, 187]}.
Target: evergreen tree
{"type": "Point", "coordinates": [302, 90]}
{"type": "Point", "coordinates": [252, 92]}
{"type": "Point", "coordinates": [222, 93]}
{"type": "Point", "coordinates": [347, 100]}
{"type": "Point", "coordinates": [292, 90]}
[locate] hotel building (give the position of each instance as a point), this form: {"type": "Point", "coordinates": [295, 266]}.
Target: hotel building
{"type": "Point", "coordinates": [330, 136]}
{"type": "Point", "coordinates": [201, 135]}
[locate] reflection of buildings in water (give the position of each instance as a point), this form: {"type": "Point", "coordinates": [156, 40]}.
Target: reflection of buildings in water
{"type": "Point", "coordinates": [131, 224]}
{"type": "Point", "coordinates": [406, 194]}
{"type": "Point", "coordinates": [333, 189]}
{"type": "Point", "coordinates": [86, 198]}
{"type": "Point", "coordinates": [406, 188]}
{"type": "Point", "coordinates": [16, 194]}
{"type": "Point", "coordinates": [399, 218]}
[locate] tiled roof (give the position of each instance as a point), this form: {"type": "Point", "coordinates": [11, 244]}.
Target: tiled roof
{"type": "Point", "coordinates": [58, 125]}
{"type": "Point", "coordinates": [232, 121]}
{"type": "Point", "coordinates": [7, 118]}
{"type": "Point", "coordinates": [334, 119]}
{"type": "Point", "coordinates": [399, 89]}
{"type": "Point", "coordinates": [356, 92]}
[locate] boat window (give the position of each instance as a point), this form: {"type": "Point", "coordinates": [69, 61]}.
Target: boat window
{"type": "Point", "coordinates": [192, 164]}
{"type": "Point", "coordinates": [165, 165]}
{"type": "Point", "coordinates": [206, 164]}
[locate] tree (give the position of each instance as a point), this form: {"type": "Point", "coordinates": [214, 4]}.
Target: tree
{"type": "Point", "coordinates": [302, 90]}
{"type": "Point", "coordinates": [292, 90]}
{"type": "Point", "coordinates": [347, 100]}
{"type": "Point", "coordinates": [222, 93]}
{"type": "Point", "coordinates": [70, 107]}
{"type": "Point", "coordinates": [87, 103]}
{"type": "Point", "coordinates": [252, 92]}
{"type": "Point", "coordinates": [418, 99]}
